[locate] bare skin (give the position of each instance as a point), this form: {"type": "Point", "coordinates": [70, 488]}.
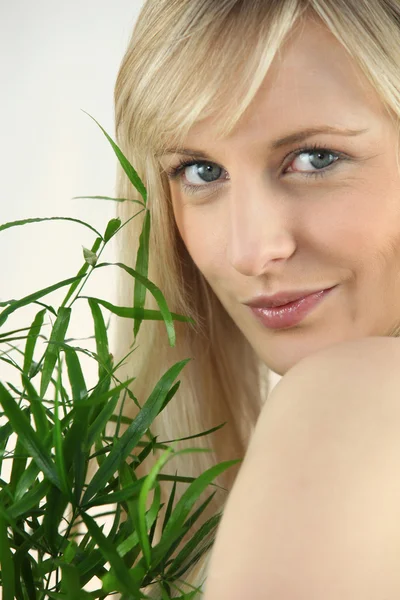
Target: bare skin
{"type": "Point", "coordinates": [280, 219]}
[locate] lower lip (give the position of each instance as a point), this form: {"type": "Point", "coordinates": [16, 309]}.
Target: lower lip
{"type": "Point", "coordinates": [289, 314]}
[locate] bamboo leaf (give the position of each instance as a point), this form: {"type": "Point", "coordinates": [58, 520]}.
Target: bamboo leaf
{"type": "Point", "coordinates": [112, 228]}
{"type": "Point", "coordinates": [6, 562]}
{"type": "Point", "coordinates": [32, 339]}
{"type": "Point", "coordinates": [37, 408]}
{"type": "Point", "coordinates": [96, 398]}
{"type": "Point", "coordinates": [184, 506]}
{"type": "Point", "coordinates": [108, 198]}
{"type": "Point", "coordinates": [184, 554]}
{"type": "Point", "coordinates": [27, 578]}
{"type": "Point", "coordinates": [135, 431]}
{"type": "Point", "coordinates": [19, 462]}
{"type": "Point", "coordinates": [144, 492]}
{"type": "Point", "coordinates": [29, 500]}
{"type": "Point", "coordinates": [101, 421]}
{"type": "Point", "coordinates": [75, 373]}
{"type": "Point", "coordinates": [142, 266]}
{"type": "Point", "coordinates": [158, 295]}
{"type": "Point", "coordinates": [26, 481]}
{"type": "Point", "coordinates": [170, 504]}
{"type": "Point", "coordinates": [58, 443]}
{"type": "Point", "coordinates": [29, 438]}
{"type": "Point", "coordinates": [127, 585]}
{"type": "Point", "coordinates": [131, 312]}
{"type": "Point", "coordinates": [100, 332]}
{"type": "Point", "coordinates": [4, 335]}
{"type": "Point", "coordinates": [90, 257]}
{"type": "Point", "coordinates": [40, 219]}
{"type": "Point", "coordinates": [71, 584]}
{"type": "Point", "coordinates": [15, 304]}
{"type": "Point", "coordinates": [125, 164]}
{"type": "Point", "coordinates": [187, 525]}
{"type": "Point", "coordinates": [52, 351]}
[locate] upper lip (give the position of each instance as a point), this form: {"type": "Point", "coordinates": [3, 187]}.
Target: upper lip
{"type": "Point", "coordinates": [281, 298]}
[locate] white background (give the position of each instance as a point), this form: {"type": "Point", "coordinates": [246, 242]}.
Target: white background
{"type": "Point", "coordinates": [57, 59]}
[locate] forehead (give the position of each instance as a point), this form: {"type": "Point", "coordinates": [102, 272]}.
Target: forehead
{"type": "Point", "coordinates": [312, 81]}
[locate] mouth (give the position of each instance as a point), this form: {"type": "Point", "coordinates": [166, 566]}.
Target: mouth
{"type": "Point", "coordinates": [291, 313]}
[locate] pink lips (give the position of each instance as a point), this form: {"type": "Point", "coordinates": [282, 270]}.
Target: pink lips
{"type": "Point", "coordinates": [289, 314]}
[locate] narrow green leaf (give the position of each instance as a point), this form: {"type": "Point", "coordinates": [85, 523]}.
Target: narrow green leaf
{"type": "Point", "coordinates": [184, 506]}
{"type": "Point", "coordinates": [7, 340]}
{"type": "Point", "coordinates": [39, 220]}
{"type": "Point", "coordinates": [184, 554]}
{"type": "Point", "coordinates": [58, 442]}
{"type": "Point", "coordinates": [128, 479]}
{"type": "Point", "coordinates": [32, 339]}
{"type": "Point", "coordinates": [11, 362]}
{"type": "Point", "coordinates": [30, 439]}
{"type": "Point", "coordinates": [56, 505]}
{"type": "Point", "coordinates": [37, 408]}
{"type": "Point", "coordinates": [6, 562]}
{"type": "Point", "coordinates": [18, 464]}
{"type": "Point", "coordinates": [170, 504]}
{"type": "Point", "coordinates": [82, 271]}
{"type": "Point", "coordinates": [90, 257]}
{"type": "Point", "coordinates": [29, 500]}
{"type": "Point", "coordinates": [27, 577]}
{"type": "Point", "coordinates": [144, 492]}
{"type": "Point", "coordinates": [108, 198]}
{"type": "Point", "coordinates": [32, 297]}
{"type": "Point", "coordinates": [127, 585]}
{"type": "Point", "coordinates": [142, 267]}
{"type": "Point", "coordinates": [8, 333]}
{"type": "Point", "coordinates": [95, 399]}
{"type": "Point", "coordinates": [5, 433]}
{"type": "Point", "coordinates": [75, 373]}
{"type": "Point", "coordinates": [127, 493]}
{"type": "Point", "coordinates": [125, 164]}
{"type": "Point", "coordinates": [52, 351]}
{"type": "Point", "coordinates": [101, 421]}
{"type": "Point", "coordinates": [112, 228]}
{"type": "Point", "coordinates": [187, 525]}
{"type": "Point", "coordinates": [158, 295]}
{"type": "Point", "coordinates": [130, 312]}
{"type": "Point", "coordinates": [71, 588]}
{"type": "Point", "coordinates": [135, 431]}
{"type": "Point", "coordinates": [26, 481]}
{"type": "Point", "coordinates": [100, 332]}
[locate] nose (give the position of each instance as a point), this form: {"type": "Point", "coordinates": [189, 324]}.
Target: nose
{"type": "Point", "coordinates": [260, 232]}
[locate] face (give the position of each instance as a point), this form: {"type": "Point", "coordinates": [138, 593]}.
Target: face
{"type": "Point", "coordinates": [260, 214]}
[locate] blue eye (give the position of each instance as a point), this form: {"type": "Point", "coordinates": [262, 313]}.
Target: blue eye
{"type": "Point", "coordinates": [198, 175]}
{"type": "Point", "coordinates": [319, 159]}
{"type": "Point", "coordinates": [203, 172]}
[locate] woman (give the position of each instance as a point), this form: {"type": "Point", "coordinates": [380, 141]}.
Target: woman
{"type": "Point", "coordinates": [267, 134]}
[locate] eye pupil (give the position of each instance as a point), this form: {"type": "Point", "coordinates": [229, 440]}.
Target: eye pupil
{"type": "Point", "coordinates": [209, 172]}
{"type": "Point", "coordinates": [320, 160]}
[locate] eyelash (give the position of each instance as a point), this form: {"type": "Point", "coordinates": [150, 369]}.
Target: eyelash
{"type": "Point", "coordinates": [175, 171]}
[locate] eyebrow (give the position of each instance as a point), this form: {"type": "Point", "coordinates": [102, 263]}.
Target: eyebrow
{"type": "Point", "coordinates": [292, 138]}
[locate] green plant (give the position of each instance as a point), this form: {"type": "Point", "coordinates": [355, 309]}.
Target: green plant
{"type": "Point", "coordinates": [50, 546]}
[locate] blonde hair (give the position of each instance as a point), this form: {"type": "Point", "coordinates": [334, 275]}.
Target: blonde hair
{"type": "Point", "coordinates": [187, 61]}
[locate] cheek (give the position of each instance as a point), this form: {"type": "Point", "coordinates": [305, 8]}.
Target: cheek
{"type": "Point", "coordinates": [203, 238]}
{"type": "Point", "coordinates": [359, 222]}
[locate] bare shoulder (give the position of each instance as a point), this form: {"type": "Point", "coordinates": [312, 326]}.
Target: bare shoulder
{"type": "Point", "coordinates": [353, 385]}
{"type": "Point", "coordinates": [356, 370]}
{"type": "Point", "coordinates": [383, 351]}
{"type": "Point", "coordinates": [322, 468]}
